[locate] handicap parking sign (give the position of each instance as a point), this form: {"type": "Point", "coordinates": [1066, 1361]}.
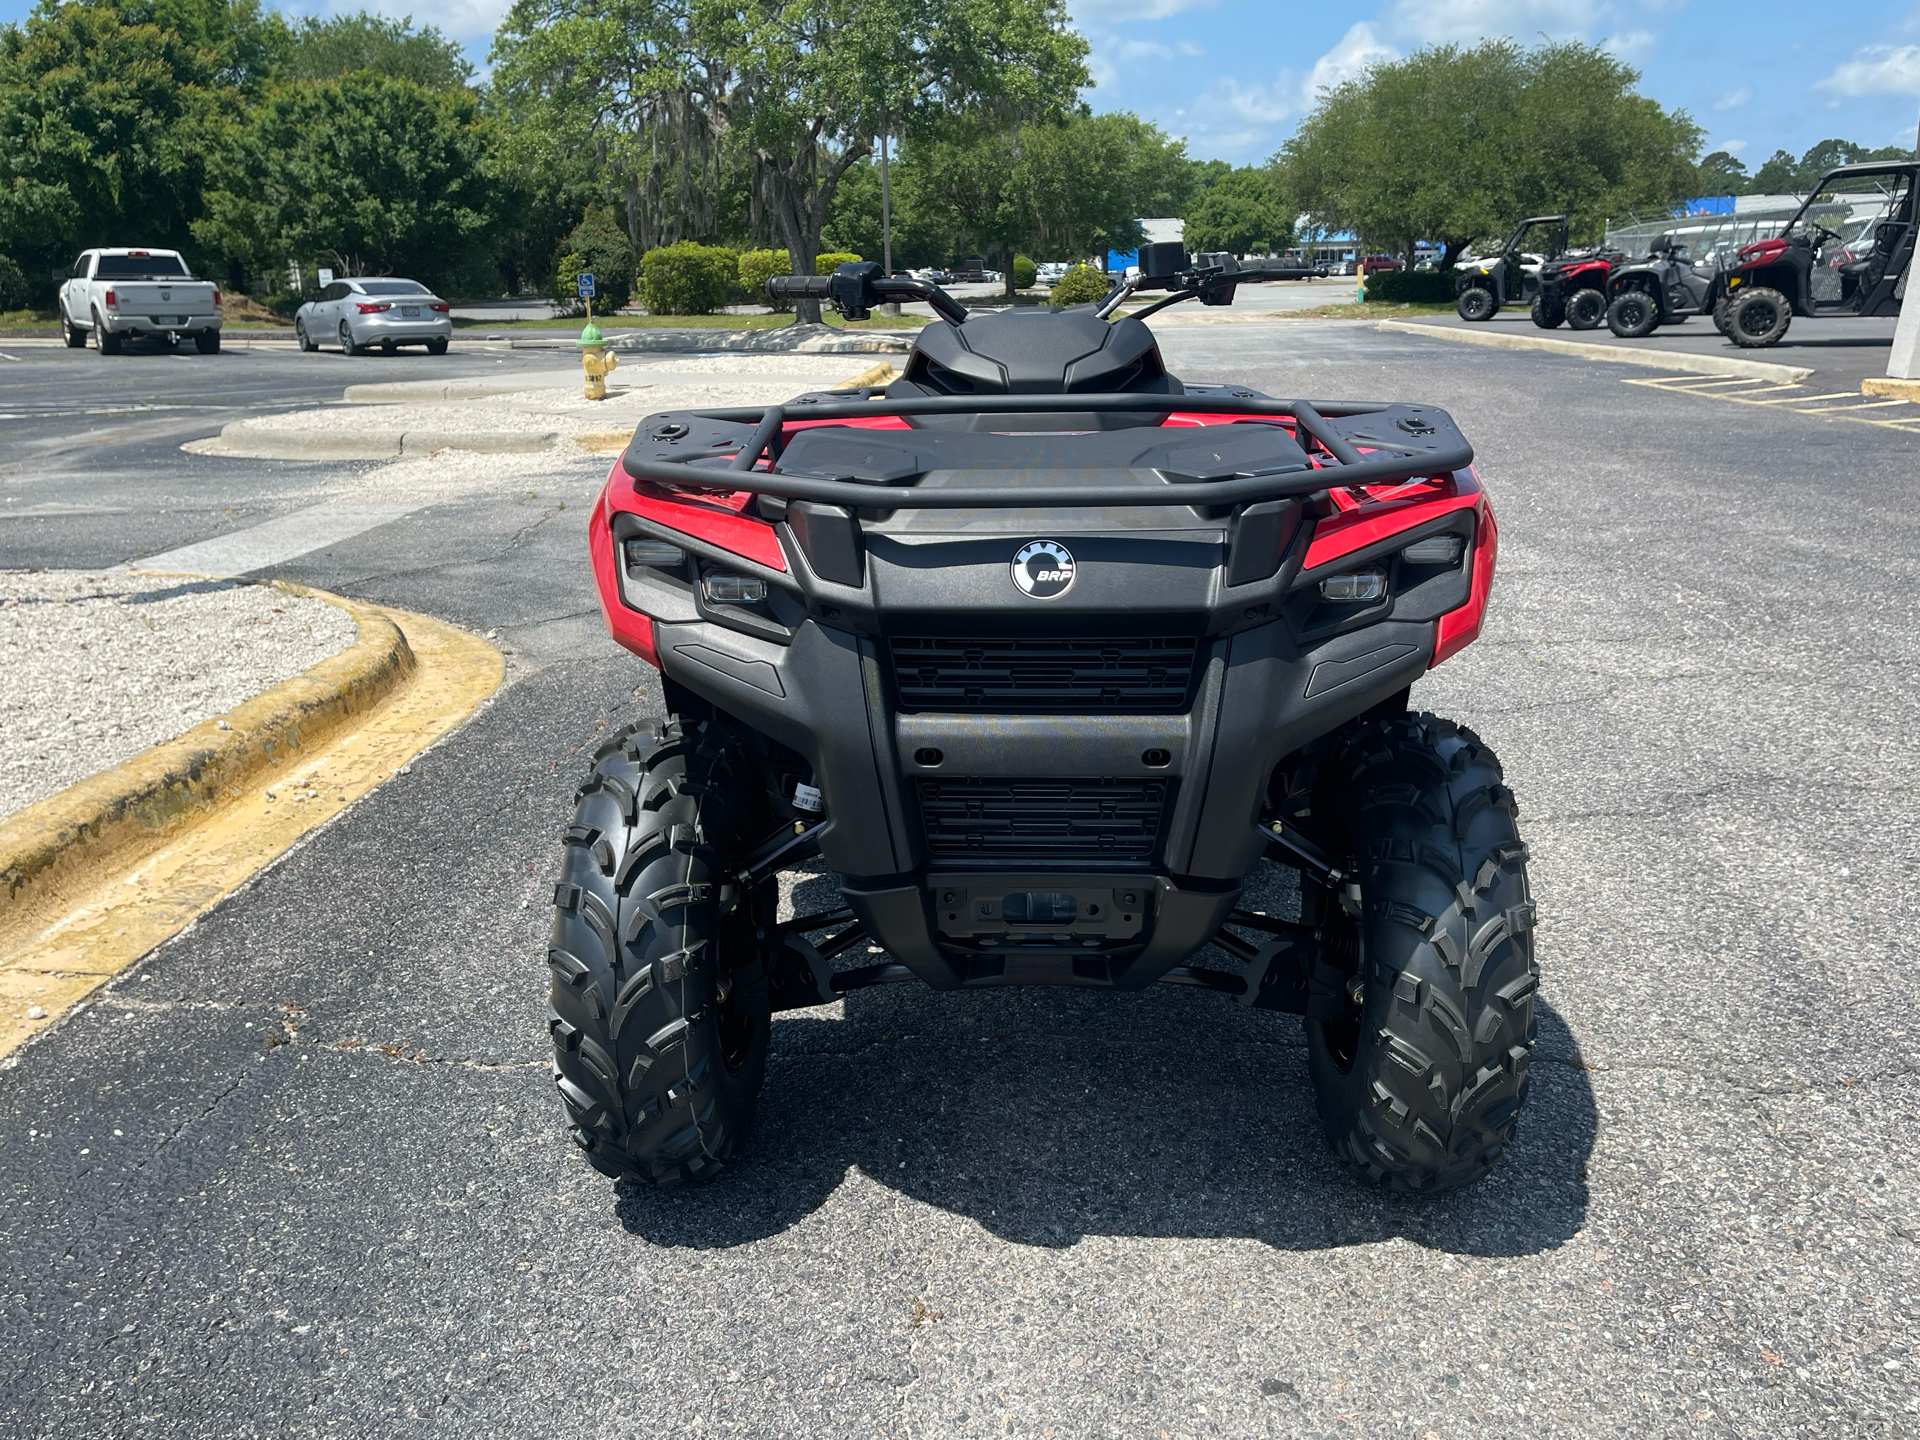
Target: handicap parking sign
{"type": "Point", "coordinates": [585, 282]}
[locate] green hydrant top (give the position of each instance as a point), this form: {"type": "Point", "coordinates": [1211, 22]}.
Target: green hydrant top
{"type": "Point", "coordinates": [590, 336]}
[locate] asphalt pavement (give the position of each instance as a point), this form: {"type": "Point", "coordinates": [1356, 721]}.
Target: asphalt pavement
{"type": "Point", "coordinates": [1840, 351]}
{"type": "Point", "coordinates": [302, 1171]}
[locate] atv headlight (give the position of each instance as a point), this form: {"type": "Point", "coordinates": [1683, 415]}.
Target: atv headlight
{"type": "Point", "coordinates": [1356, 587]}
{"type": "Point", "coordinates": [1434, 550]}
{"type": "Point", "coordinates": [726, 589]}
{"type": "Point", "coordinates": [654, 554]}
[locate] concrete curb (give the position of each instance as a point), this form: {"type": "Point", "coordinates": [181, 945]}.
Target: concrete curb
{"type": "Point", "coordinates": [1652, 359]}
{"type": "Point", "coordinates": [260, 439]}
{"type": "Point", "coordinates": [54, 848]}
{"type": "Point", "coordinates": [1891, 388]}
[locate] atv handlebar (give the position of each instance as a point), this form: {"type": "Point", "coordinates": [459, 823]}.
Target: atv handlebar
{"type": "Point", "coordinates": [855, 288]}
{"type": "Point", "coordinates": [1448, 451]}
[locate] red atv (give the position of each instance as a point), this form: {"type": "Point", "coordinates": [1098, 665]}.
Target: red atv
{"type": "Point", "coordinates": [1045, 654]}
{"type": "Point", "coordinates": [1845, 253]}
{"type": "Point", "coordinates": [1573, 288]}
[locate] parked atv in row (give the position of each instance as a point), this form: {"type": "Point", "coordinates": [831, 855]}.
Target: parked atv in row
{"type": "Point", "coordinates": [1847, 252]}
{"type": "Point", "coordinates": [1044, 653]}
{"type": "Point", "coordinates": [1664, 288]}
{"type": "Point", "coordinates": [1573, 290]}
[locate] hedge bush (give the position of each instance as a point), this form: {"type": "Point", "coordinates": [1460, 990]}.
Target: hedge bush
{"type": "Point", "coordinates": [1082, 285]}
{"type": "Point", "coordinates": [13, 285]}
{"type": "Point", "coordinates": [758, 266]}
{"type": "Point", "coordinates": [1025, 272]}
{"type": "Point", "coordinates": [598, 246]}
{"type": "Point", "coordinates": [1412, 287]}
{"type": "Point", "coordinates": [688, 278]}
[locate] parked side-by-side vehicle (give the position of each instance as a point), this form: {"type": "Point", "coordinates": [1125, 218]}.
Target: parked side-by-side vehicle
{"type": "Point", "coordinates": [1848, 252]}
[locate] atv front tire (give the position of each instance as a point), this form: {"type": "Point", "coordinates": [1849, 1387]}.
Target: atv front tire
{"type": "Point", "coordinates": [660, 1013]}
{"type": "Point", "coordinates": [1586, 309]}
{"type": "Point", "coordinates": [1420, 1027]}
{"type": "Point", "coordinates": [1633, 314]}
{"type": "Point", "coordinates": [1476, 302]}
{"type": "Point", "coordinates": [1758, 317]}
{"type": "Point", "coordinates": [1548, 316]}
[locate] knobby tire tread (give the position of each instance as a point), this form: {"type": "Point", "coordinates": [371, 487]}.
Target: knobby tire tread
{"type": "Point", "coordinates": [641, 942]}
{"type": "Point", "coordinates": [1440, 1072]}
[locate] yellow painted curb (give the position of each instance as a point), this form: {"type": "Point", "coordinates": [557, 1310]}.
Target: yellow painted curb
{"type": "Point", "coordinates": [879, 374]}
{"type": "Point", "coordinates": [602, 442]}
{"type": "Point", "coordinates": [1891, 388]}
{"type": "Point", "coordinates": [100, 878]}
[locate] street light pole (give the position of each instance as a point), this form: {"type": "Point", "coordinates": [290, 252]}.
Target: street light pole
{"type": "Point", "coordinates": [886, 208]}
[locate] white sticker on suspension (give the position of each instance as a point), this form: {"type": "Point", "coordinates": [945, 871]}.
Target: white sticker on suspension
{"type": "Point", "coordinates": [806, 797]}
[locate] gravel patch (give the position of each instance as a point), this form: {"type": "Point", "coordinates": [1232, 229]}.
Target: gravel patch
{"type": "Point", "coordinates": [100, 666]}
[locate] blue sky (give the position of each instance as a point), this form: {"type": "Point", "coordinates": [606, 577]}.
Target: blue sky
{"type": "Point", "coordinates": [1234, 76]}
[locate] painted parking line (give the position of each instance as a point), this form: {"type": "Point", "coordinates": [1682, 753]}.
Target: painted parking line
{"type": "Point", "coordinates": [274, 542]}
{"type": "Point", "coordinates": [1905, 416]}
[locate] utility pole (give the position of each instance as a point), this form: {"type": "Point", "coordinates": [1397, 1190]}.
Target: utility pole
{"type": "Point", "coordinates": [886, 207]}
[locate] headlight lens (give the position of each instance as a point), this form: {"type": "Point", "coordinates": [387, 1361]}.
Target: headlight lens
{"type": "Point", "coordinates": [1355, 587]}
{"type": "Point", "coordinates": [723, 588]}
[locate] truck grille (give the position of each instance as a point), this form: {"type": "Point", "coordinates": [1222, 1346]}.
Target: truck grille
{"type": "Point", "coordinates": [1046, 676]}
{"type": "Point", "coordinates": [1008, 823]}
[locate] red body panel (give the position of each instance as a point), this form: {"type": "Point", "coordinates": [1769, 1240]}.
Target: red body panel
{"type": "Point", "coordinates": [1460, 628]}
{"type": "Point", "coordinates": [628, 627]}
{"type": "Point", "coordinates": [1388, 510]}
{"type": "Point", "coordinates": [716, 519]}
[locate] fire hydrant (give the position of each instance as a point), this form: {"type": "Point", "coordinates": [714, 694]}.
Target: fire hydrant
{"type": "Point", "coordinates": [596, 360]}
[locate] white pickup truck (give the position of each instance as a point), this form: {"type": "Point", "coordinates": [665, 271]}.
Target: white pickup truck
{"type": "Point", "coordinates": [116, 295]}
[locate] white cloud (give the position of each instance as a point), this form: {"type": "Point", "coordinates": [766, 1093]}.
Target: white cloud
{"type": "Point", "coordinates": [1360, 47]}
{"type": "Point", "coordinates": [1732, 147]}
{"type": "Point", "coordinates": [1733, 99]}
{"type": "Point", "coordinates": [1634, 46]}
{"type": "Point", "coordinates": [1877, 70]}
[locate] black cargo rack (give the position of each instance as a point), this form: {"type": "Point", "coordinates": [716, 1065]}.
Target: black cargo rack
{"type": "Point", "coordinates": [1424, 442]}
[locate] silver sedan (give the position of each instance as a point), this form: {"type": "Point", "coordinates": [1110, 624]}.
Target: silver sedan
{"type": "Point", "coordinates": [359, 314]}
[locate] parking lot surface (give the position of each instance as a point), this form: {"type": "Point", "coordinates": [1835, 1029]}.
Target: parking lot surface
{"type": "Point", "coordinates": [302, 1171]}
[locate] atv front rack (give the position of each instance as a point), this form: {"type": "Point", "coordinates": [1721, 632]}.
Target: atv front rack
{"type": "Point", "coordinates": [1397, 443]}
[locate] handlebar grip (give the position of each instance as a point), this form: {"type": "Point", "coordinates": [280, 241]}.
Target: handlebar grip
{"type": "Point", "coordinates": [798, 287]}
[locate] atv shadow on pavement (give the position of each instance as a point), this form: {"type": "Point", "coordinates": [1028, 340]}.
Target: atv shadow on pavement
{"type": "Point", "coordinates": [1050, 1114]}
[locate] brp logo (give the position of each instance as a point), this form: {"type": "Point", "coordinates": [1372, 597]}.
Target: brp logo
{"type": "Point", "coordinates": [1043, 569]}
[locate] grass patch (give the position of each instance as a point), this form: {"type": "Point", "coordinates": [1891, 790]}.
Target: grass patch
{"type": "Point", "coordinates": [612, 323]}
{"type": "Point", "coordinates": [1362, 310]}
{"type": "Point", "coordinates": [29, 320]}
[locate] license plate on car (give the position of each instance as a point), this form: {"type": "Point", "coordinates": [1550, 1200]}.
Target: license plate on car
{"type": "Point", "coordinates": [411, 312]}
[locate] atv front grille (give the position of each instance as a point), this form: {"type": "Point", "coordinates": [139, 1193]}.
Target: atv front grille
{"type": "Point", "coordinates": [1023, 675]}
{"type": "Point", "coordinates": [1009, 823]}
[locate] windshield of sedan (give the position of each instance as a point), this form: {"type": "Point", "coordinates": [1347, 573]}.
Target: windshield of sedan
{"type": "Point", "coordinates": [138, 267]}
{"type": "Point", "coordinates": [393, 287]}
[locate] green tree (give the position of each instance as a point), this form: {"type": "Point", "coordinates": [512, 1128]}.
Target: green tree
{"type": "Point", "coordinates": [1047, 189]}
{"type": "Point", "coordinates": [662, 97]}
{"type": "Point", "coordinates": [1454, 144]}
{"type": "Point", "coordinates": [104, 125]}
{"type": "Point", "coordinates": [1721, 174]}
{"type": "Point", "coordinates": [317, 49]}
{"type": "Point", "coordinates": [375, 173]}
{"type": "Point", "coordinates": [1782, 174]}
{"type": "Point", "coordinates": [1240, 212]}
